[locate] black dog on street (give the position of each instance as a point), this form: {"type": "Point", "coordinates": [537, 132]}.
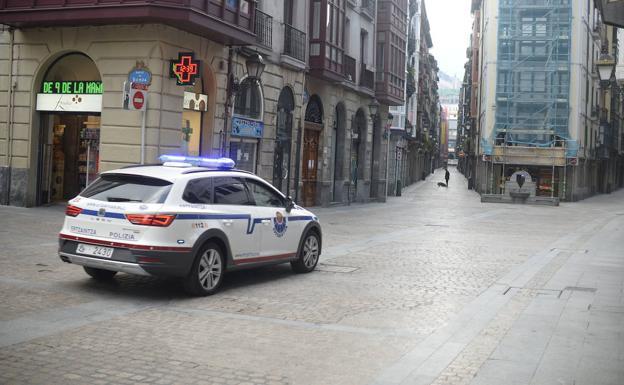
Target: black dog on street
{"type": "Point", "coordinates": [442, 184]}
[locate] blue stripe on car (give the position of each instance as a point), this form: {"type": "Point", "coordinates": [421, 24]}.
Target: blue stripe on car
{"type": "Point", "coordinates": [250, 224]}
{"type": "Point", "coordinates": [106, 214]}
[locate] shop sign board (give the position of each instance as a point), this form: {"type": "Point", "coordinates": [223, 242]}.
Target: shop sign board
{"type": "Point", "coordinates": [247, 127]}
{"type": "Point", "coordinates": [185, 69]}
{"type": "Point", "coordinates": [72, 87]}
{"type": "Point", "coordinates": [196, 102]}
{"type": "Point", "coordinates": [69, 102]}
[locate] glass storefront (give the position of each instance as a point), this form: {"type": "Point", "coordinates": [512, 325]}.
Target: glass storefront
{"type": "Point", "coordinates": [69, 102]}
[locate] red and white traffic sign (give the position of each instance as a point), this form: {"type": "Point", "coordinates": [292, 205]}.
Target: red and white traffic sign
{"type": "Point", "coordinates": [137, 99]}
{"type": "Point", "coordinates": [134, 96]}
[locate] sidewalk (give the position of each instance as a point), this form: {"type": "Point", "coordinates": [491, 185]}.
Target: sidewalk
{"type": "Point", "coordinates": [556, 319]}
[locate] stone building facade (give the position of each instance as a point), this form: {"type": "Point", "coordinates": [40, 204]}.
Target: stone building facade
{"type": "Point", "coordinates": [309, 133]}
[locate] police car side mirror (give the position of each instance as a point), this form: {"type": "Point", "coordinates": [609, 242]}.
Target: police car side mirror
{"type": "Point", "coordinates": [289, 204]}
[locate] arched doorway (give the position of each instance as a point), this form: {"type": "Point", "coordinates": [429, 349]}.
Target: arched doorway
{"type": "Point", "coordinates": [358, 150]}
{"type": "Point", "coordinates": [283, 140]}
{"type": "Point", "coordinates": [311, 141]}
{"type": "Point", "coordinates": [338, 144]}
{"type": "Point", "coordinates": [69, 104]}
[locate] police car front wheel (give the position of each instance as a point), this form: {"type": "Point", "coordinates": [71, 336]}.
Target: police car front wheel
{"type": "Point", "coordinates": [308, 254]}
{"type": "Point", "coordinates": [207, 271]}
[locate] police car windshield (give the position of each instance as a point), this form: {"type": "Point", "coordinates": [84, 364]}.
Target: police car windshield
{"type": "Point", "coordinates": [128, 188]}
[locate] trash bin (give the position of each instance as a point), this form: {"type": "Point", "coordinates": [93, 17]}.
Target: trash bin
{"type": "Point", "coordinates": [398, 188]}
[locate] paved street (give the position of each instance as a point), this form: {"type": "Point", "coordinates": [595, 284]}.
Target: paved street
{"type": "Point", "coordinates": [433, 287]}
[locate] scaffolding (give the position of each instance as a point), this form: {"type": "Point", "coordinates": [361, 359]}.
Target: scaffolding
{"type": "Point", "coordinates": [533, 74]}
{"type": "Point", "coordinates": [532, 86]}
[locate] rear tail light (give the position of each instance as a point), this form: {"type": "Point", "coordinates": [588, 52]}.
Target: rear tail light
{"type": "Point", "coordinates": [72, 211]}
{"type": "Point", "coordinates": [160, 220]}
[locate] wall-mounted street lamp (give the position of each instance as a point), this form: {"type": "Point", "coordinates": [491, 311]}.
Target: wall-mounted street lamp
{"type": "Point", "coordinates": [373, 108]}
{"type": "Point", "coordinates": [255, 67]}
{"type": "Point", "coordinates": [606, 68]}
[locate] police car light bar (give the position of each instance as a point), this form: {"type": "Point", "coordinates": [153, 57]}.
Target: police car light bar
{"type": "Point", "coordinates": [220, 163]}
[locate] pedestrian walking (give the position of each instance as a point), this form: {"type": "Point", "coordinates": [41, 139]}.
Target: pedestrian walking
{"type": "Point", "coordinates": [447, 175]}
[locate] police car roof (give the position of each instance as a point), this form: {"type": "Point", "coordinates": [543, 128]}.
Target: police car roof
{"type": "Point", "coordinates": [166, 172]}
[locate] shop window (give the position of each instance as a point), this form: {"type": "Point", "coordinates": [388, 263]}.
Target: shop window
{"type": "Point", "coordinates": [243, 153]}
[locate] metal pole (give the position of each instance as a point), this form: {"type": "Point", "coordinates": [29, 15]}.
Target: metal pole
{"type": "Point", "coordinates": [88, 157]}
{"type": "Point", "coordinates": [143, 133]}
{"type": "Point", "coordinates": [298, 159]}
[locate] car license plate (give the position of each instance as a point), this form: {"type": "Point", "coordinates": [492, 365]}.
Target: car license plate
{"type": "Point", "coordinates": [96, 251]}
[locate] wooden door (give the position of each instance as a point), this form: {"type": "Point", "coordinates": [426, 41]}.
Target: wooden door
{"type": "Point", "coordinates": [310, 166]}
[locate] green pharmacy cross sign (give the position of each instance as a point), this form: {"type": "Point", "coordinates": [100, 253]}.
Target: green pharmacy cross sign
{"type": "Point", "coordinates": [73, 87]}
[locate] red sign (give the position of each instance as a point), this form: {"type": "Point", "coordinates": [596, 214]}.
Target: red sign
{"type": "Point", "coordinates": [138, 99]}
{"type": "Point", "coordinates": [186, 69]}
{"type": "Point", "coordinates": [139, 86]}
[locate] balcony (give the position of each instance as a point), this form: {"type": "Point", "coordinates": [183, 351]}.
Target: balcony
{"type": "Point", "coordinates": [294, 43]}
{"type": "Point", "coordinates": [612, 12]}
{"type": "Point", "coordinates": [368, 8]}
{"type": "Point", "coordinates": [367, 78]}
{"type": "Point", "coordinates": [349, 68]}
{"type": "Point", "coordinates": [264, 29]}
{"type": "Point", "coordinates": [213, 19]}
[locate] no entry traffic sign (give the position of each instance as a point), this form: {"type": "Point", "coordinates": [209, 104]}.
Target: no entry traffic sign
{"type": "Point", "coordinates": [138, 100]}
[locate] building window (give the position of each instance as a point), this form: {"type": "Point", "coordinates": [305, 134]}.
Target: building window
{"type": "Point", "coordinates": [249, 100]}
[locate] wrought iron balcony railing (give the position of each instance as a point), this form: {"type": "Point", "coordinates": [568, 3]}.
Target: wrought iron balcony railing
{"type": "Point", "coordinates": [294, 42]}
{"type": "Point", "coordinates": [349, 68]}
{"type": "Point", "coordinates": [367, 78]}
{"type": "Point", "coordinates": [264, 29]}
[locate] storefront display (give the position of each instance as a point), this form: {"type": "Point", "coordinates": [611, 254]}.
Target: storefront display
{"type": "Point", "coordinates": [75, 154]}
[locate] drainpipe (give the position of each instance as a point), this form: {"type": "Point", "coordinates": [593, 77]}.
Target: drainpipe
{"type": "Point", "coordinates": [228, 97]}
{"type": "Point", "coordinates": [9, 147]}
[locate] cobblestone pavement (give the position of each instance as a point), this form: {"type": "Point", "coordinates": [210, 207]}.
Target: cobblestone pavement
{"type": "Point", "coordinates": [431, 287]}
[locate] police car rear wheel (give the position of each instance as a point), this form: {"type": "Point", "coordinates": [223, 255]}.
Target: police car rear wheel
{"type": "Point", "coordinates": [99, 274]}
{"type": "Point", "coordinates": [308, 255]}
{"type": "Point", "coordinates": [207, 272]}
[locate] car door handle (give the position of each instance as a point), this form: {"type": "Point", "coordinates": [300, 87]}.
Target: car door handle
{"type": "Point", "coordinates": [228, 222]}
{"type": "Point", "coordinates": [266, 222]}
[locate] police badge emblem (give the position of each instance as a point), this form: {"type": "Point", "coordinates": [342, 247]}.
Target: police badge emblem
{"type": "Point", "coordinates": [279, 225]}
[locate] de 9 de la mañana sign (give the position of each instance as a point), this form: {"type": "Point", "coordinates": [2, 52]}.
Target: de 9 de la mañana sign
{"type": "Point", "coordinates": [70, 96]}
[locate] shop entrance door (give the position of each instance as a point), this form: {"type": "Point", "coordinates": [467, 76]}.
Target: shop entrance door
{"type": "Point", "coordinates": [68, 155]}
{"type": "Point", "coordinates": [310, 166]}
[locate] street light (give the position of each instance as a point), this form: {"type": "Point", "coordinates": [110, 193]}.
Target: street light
{"type": "Point", "coordinates": [606, 67]}
{"type": "Point", "coordinates": [255, 66]}
{"type": "Point", "coordinates": [373, 107]}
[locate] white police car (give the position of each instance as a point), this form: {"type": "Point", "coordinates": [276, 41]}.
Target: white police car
{"type": "Point", "coordinates": [190, 217]}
